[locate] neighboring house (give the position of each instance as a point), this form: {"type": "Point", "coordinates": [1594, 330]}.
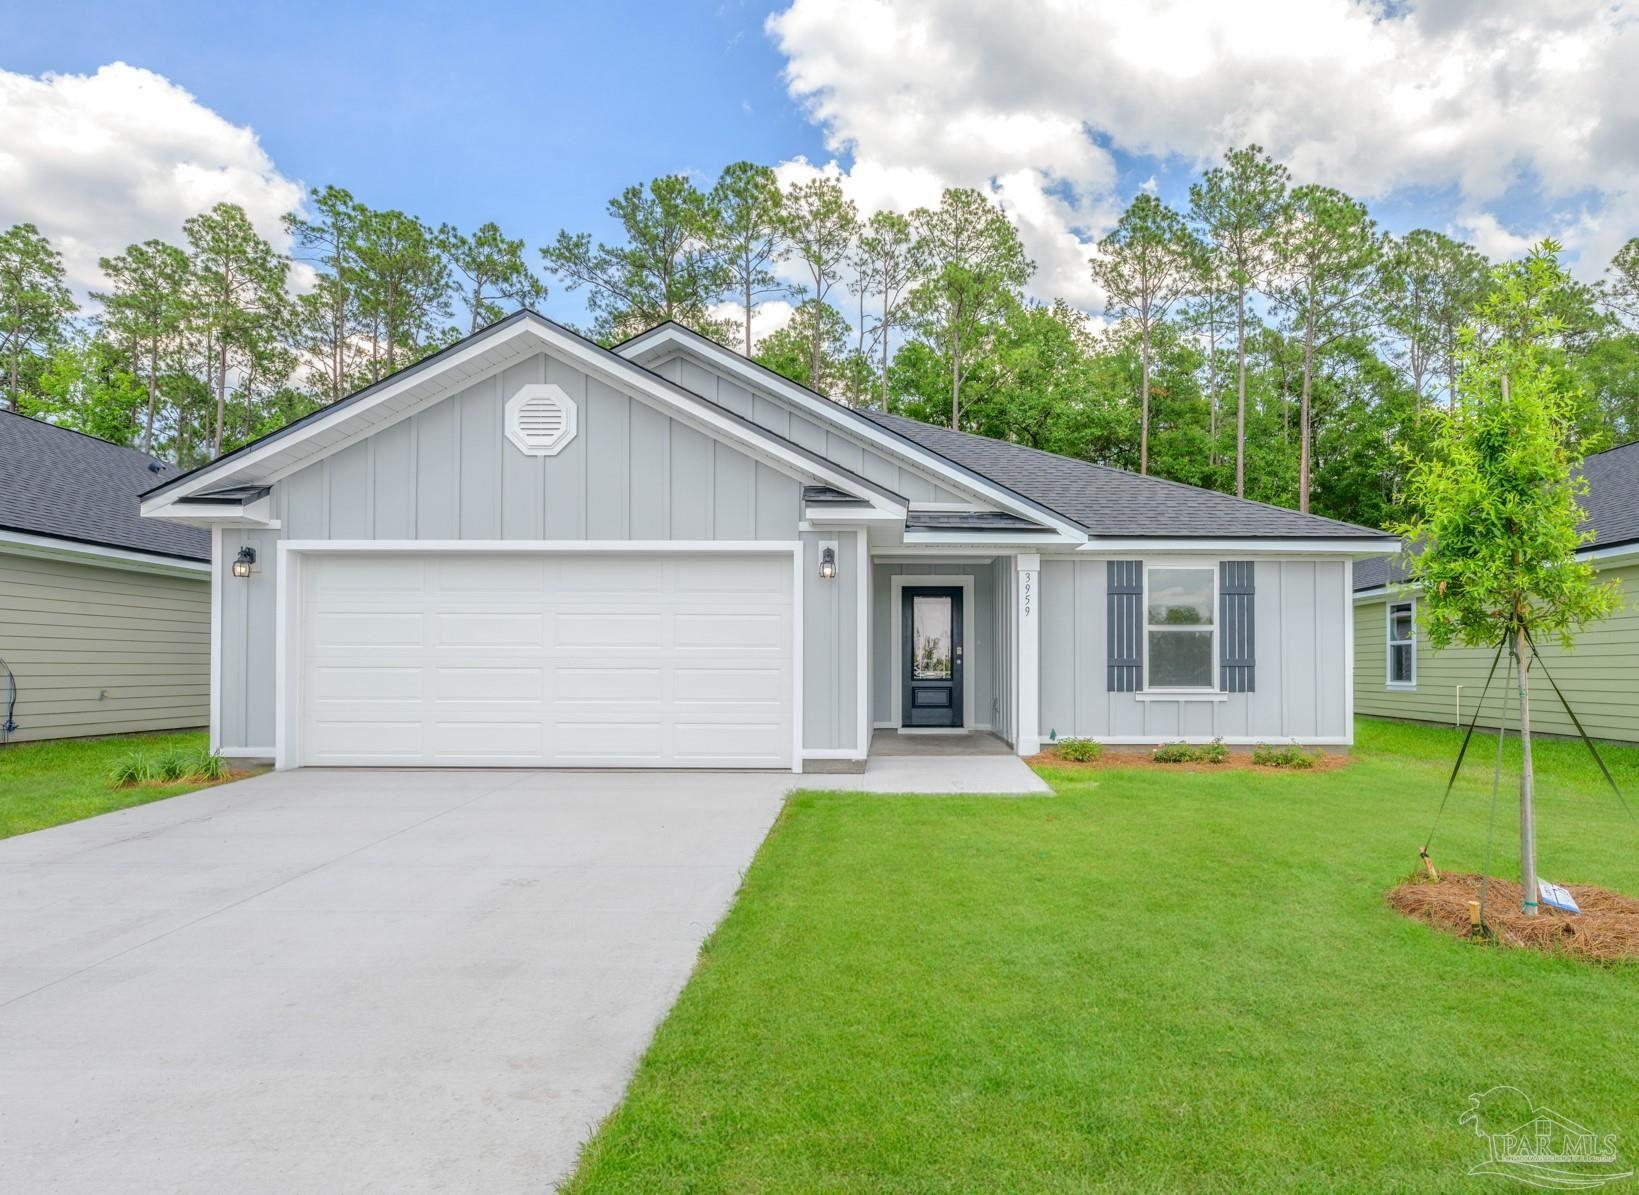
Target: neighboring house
{"type": "Point", "coordinates": [531, 550]}
{"type": "Point", "coordinates": [1398, 676]}
{"type": "Point", "coordinates": [104, 615]}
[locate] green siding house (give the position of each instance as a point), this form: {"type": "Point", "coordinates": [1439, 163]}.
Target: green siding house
{"type": "Point", "coordinates": [1396, 675]}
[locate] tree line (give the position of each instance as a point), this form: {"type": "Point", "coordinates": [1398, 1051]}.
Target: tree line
{"type": "Point", "coordinates": [1267, 340]}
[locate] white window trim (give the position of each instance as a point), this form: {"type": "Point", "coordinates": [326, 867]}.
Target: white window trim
{"type": "Point", "coordinates": [1153, 692]}
{"type": "Point", "coordinates": [1390, 643]}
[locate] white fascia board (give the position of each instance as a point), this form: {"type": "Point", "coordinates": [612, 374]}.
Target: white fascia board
{"type": "Point", "coordinates": [1012, 539]}
{"type": "Point", "coordinates": [1367, 595]}
{"type": "Point", "coordinates": [653, 344]}
{"type": "Point", "coordinates": [256, 514]}
{"type": "Point", "coordinates": [21, 543]}
{"type": "Point", "coordinates": [826, 516]}
{"type": "Point", "coordinates": [1294, 546]}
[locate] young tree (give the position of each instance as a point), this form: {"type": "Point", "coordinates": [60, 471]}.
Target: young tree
{"type": "Point", "coordinates": [1495, 502]}
{"type": "Point", "coordinates": [886, 268]}
{"type": "Point", "coordinates": [972, 269]}
{"type": "Point", "coordinates": [670, 268]}
{"type": "Point", "coordinates": [1238, 205]}
{"type": "Point", "coordinates": [749, 207]}
{"type": "Point", "coordinates": [238, 302]}
{"type": "Point", "coordinates": [493, 268]}
{"type": "Point", "coordinates": [147, 308]}
{"type": "Point", "coordinates": [1329, 253]}
{"type": "Point", "coordinates": [819, 224]}
{"type": "Point", "coordinates": [1149, 262]}
{"type": "Point", "coordinates": [35, 304]}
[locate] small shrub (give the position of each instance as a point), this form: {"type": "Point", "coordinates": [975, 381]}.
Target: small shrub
{"type": "Point", "coordinates": [208, 767]}
{"type": "Point", "coordinates": [1290, 756]}
{"type": "Point", "coordinates": [1080, 750]}
{"type": "Point", "coordinates": [128, 770]}
{"type": "Point", "coordinates": [173, 765]}
{"type": "Point", "coordinates": [1213, 752]}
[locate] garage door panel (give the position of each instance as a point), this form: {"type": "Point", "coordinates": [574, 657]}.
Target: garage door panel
{"type": "Point", "coordinates": [572, 659]}
{"type": "Point", "coordinates": [495, 684]}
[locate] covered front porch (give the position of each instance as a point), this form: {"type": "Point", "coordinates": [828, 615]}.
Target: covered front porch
{"type": "Point", "coordinates": [952, 660]}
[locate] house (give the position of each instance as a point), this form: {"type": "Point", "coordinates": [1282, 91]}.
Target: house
{"type": "Point", "coordinates": [1397, 676]}
{"type": "Point", "coordinates": [532, 550]}
{"type": "Point", "coordinates": [104, 615]}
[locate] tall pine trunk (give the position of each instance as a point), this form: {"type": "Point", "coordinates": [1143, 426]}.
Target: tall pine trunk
{"type": "Point", "coordinates": [221, 395]}
{"type": "Point", "coordinates": [747, 298]}
{"type": "Point", "coordinates": [1144, 412]}
{"type": "Point", "coordinates": [955, 378]}
{"type": "Point", "coordinates": [153, 390]}
{"type": "Point", "coordinates": [1303, 431]}
{"type": "Point", "coordinates": [1240, 390]}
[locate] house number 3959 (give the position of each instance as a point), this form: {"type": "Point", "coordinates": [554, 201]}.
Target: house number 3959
{"type": "Point", "coordinates": [1029, 593]}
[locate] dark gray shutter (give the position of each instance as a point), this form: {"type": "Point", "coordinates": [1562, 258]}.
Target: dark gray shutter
{"type": "Point", "coordinates": [1126, 625]}
{"type": "Point", "coordinates": [1238, 634]}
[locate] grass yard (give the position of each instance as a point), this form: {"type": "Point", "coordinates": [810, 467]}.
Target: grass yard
{"type": "Point", "coordinates": [1147, 982]}
{"type": "Point", "coordinates": [46, 784]}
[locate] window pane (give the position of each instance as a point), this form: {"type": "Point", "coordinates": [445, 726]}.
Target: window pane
{"type": "Point", "coordinates": [1180, 660]}
{"type": "Point", "coordinates": [1400, 624]}
{"type": "Point", "coordinates": [1181, 596]}
{"type": "Point", "coordinates": [1400, 663]}
{"type": "Point", "coordinates": [930, 638]}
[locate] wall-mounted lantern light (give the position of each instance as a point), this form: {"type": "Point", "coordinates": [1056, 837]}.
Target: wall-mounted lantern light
{"type": "Point", "coordinates": [242, 563]}
{"type": "Point", "coordinates": [828, 562]}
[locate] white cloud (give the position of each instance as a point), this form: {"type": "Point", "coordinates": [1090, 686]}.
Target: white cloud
{"type": "Point", "coordinates": [100, 161]}
{"type": "Point", "coordinates": [1030, 99]}
{"type": "Point", "coordinates": [767, 317]}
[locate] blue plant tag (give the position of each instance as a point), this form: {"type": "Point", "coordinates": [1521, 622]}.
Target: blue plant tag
{"type": "Point", "coordinates": [1556, 897]}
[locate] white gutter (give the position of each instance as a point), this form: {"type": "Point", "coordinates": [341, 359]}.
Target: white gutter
{"type": "Point", "coordinates": [49, 547]}
{"type": "Point", "coordinates": [1299, 545]}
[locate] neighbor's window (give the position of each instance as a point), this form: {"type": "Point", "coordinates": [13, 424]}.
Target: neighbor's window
{"type": "Point", "coordinates": [1402, 644]}
{"type": "Point", "coordinates": [1181, 632]}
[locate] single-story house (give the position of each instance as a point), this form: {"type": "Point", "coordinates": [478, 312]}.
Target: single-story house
{"type": "Point", "coordinates": [531, 550]}
{"type": "Point", "coordinates": [1397, 676]}
{"type": "Point", "coordinates": [104, 615]}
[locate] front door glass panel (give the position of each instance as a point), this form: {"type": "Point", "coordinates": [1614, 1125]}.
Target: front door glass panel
{"type": "Point", "coordinates": [931, 638]}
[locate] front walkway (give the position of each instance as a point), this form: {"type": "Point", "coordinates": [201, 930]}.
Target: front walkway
{"type": "Point", "coordinates": [936, 763]}
{"type": "Point", "coordinates": [328, 980]}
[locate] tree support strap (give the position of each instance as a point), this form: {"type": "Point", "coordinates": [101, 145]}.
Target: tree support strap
{"type": "Point", "coordinates": [1577, 722]}
{"type": "Point", "coordinates": [1458, 766]}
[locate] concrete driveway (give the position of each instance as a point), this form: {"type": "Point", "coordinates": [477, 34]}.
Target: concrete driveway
{"type": "Point", "coordinates": [352, 980]}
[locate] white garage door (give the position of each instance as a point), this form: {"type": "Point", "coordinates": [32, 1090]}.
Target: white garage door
{"type": "Point", "coordinates": [566, 660]}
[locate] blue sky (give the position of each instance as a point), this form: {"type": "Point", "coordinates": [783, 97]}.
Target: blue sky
{"type": "Point", "coordinates": [1499, 122]}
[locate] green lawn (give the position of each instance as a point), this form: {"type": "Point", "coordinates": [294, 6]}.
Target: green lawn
{"type": "Point", "coordinates": [46, 784]}
{"type": "Point", "coordinates": [1150, 981]}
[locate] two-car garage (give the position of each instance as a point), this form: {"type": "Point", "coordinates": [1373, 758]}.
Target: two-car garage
{"type": "Point", "coordinates": [450, 656]}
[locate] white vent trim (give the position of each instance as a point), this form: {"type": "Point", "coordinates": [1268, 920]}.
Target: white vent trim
{"type": "Point", "coordinates": [540, 419]}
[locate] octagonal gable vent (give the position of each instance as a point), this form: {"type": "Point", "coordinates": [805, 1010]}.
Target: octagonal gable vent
{"type": "Point", "coordinates": [540, 419]}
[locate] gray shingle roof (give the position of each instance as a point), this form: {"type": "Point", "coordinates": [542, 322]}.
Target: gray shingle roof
{"type": "Point", "coordinates": [70, 486]}
{"type": "Point", "coordinates": [1612, 505]}
{"type": "Point", "coordinates": [1113, 502]}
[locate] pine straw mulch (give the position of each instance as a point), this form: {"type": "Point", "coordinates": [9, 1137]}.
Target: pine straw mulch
{"type": "Point", "coordinates": [1238, 761]}
{"type": "Point", "coordinates": [1607, 931]}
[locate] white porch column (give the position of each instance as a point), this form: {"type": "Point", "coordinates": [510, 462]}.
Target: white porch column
{"type": "Point", "coordinates": [1027, 652]}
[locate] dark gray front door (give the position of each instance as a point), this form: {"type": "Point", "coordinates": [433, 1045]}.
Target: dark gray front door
{"type": "Point", "coordinates": [931, 639]}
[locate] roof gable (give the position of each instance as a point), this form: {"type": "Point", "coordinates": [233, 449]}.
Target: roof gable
{"type": "Point", "coordinates": [66, 485]}
{"type": "Point", "coordinates": [485, 353]}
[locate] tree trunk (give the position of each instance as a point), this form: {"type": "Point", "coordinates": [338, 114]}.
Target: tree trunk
{"type": "Point", "coordinates": [1144, 413]}
{"type": "Point", "coordinates": [1527, 814]}
{"type": "Point", "coordinates": [1303, 431]}
{"type": "Point", "coordinates": [747, 277]}
{"type": "Point", "coordinates": [153, 388]}
{"type": "Point", "coordinates": [955, 378]}
{"type": "Point", "coordinates": [221, 396]}
{"type": "Point", "coordinates": [1240, 389]}
{"type": "Point", "coordinates": [885, 326]}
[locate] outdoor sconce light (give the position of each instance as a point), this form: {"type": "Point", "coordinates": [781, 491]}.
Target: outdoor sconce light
{"type": "Point", "coordinates": [828, 563]}
{"type": "Point", "coordinates": [242, 563]}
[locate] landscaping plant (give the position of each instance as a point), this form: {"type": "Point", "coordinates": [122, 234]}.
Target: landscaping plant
{"type": "Point", "coordinates": [1496, 513]}
{"type": "Point", "coordinates": [1080, 750]}
{"type": "Point", "coordinates": [1290, 756]}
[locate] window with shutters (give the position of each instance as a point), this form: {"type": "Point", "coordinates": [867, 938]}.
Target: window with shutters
{"type": "Point", "coordinates": [1180, 627]}
{"type": "Point", "coordinates": [540, 419]}
{"type": "Point", "coordinates": [1402, 646]}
